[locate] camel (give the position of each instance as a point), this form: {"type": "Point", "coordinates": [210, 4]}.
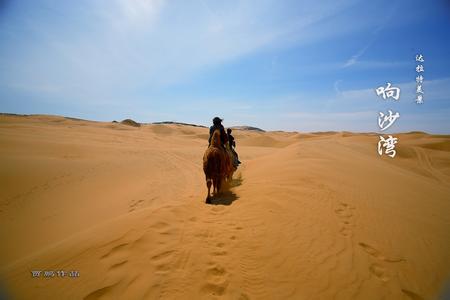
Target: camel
{"type": "Point", "coordinates": [231, 166]}
{"type": "Point", "coordinates": [216, 165]}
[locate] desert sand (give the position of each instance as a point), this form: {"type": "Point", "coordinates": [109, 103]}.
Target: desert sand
{"type": "Point", "coordinates": [307, 216]}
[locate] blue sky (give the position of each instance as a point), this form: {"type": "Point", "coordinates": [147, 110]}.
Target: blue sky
{"type": "Point", "coordinates": [280, 65]}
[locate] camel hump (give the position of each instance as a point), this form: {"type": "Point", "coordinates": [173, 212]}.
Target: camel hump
{"type": "Point", "coordinates": [215, 140]}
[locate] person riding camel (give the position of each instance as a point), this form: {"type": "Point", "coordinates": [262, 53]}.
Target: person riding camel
{"type": "Point", "coordinates": [232, 144]}
{"type": "Point", "coordinates": [217, 124]}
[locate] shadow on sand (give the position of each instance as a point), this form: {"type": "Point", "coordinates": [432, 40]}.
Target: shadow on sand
{"type": "Point", "coordinates": [226, 197]}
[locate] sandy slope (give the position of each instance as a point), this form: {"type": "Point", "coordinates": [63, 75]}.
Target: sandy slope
{"type": "Point", "coordinates": [309, 216]}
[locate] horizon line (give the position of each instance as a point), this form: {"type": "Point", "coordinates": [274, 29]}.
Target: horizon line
{"type": "Point", "coordinates": [203, 126]}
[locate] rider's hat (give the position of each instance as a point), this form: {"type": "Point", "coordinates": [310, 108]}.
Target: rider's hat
{"type": "Point", "coordinates": [217, 120]}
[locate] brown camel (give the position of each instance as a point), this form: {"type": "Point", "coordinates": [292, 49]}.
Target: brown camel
{"type": "Point", "coordinates": [231, 167]}
{"type": "Point", "coordinates": [216, 165]}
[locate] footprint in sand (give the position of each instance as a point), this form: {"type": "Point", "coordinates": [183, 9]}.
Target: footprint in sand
{"type": "Point", "coordinates": [344, 212]}
{"type": "Point", "coordinates": [163, 228]}
{"type": "Point", "coordinates": [140, 203]}
{"type": "Point", "coordinates": [216, 271]}
{"type": "Point", "coordinates": [163, 260]}
{"type": "Point", "coordinates": [376, 268]}
{"type": "Point", "coordinates": [219, 251]}
{"type": "Point", "coordinates": [216, 275]}
{"type": "Point", "coordinates": [217, 282]}
{"type": "Point", "coordinates": [135, 204]}
{"type": "Point", "coordinates": [379, 272]}
{"type": "Point", "coordinates": [216, 289]}
{"type": "Point", "coordinates": [377, 254]}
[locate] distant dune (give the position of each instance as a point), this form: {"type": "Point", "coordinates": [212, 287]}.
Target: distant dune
{"type": "Point", "coordinates": [177, 123]}
{"type": "Point", "coordinates": [248, 128]}
{"type": "Point", "coordinates": [195, 125]}
{"type": "Point", "coordinates": [308, 215]}
{"type": "Point", "coordinates": [130, 122]}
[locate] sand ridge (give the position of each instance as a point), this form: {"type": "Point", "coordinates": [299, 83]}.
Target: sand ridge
{"type": "Point", "coordinates": [308, 215]}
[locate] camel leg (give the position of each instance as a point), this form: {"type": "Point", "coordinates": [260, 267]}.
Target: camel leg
{"type": "Point", "coordinates": [215, 186]}
{"type": "Point", "coordinates": [208, 184]}
{"type": "Point", "coordinates": [219, 184]}
{"type": "Point", "coordinates": [214, 183]}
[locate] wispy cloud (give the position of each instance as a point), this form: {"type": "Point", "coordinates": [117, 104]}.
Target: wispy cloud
{"type": "Point", "coordinates": [131, 44]}
{"type": "Point", "coordinates": [352, 60]}
{"type": "Point", "coordinates": [384, 21]}
{"type": "Point", "coordinates": [336, 86]}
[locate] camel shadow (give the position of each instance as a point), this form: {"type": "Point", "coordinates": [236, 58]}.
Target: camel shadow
{"type": "Point", "coordinates": [223, 198]}
{"type": "Point", "coordinates": [226, 197]}
{"type": "Point", "coordinates": [235, 181]}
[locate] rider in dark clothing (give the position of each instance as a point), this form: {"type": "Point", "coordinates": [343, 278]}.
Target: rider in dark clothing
{"type": "Point", "coordinates": [231, 141]}
{"type": "Point", "coordinates": [232, 144]}
{"type": "Point", "coordinates": [217, 124]}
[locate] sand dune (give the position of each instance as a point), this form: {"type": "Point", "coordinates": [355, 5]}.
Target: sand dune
{"type": "Point", "coordinates": [308, 215]}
